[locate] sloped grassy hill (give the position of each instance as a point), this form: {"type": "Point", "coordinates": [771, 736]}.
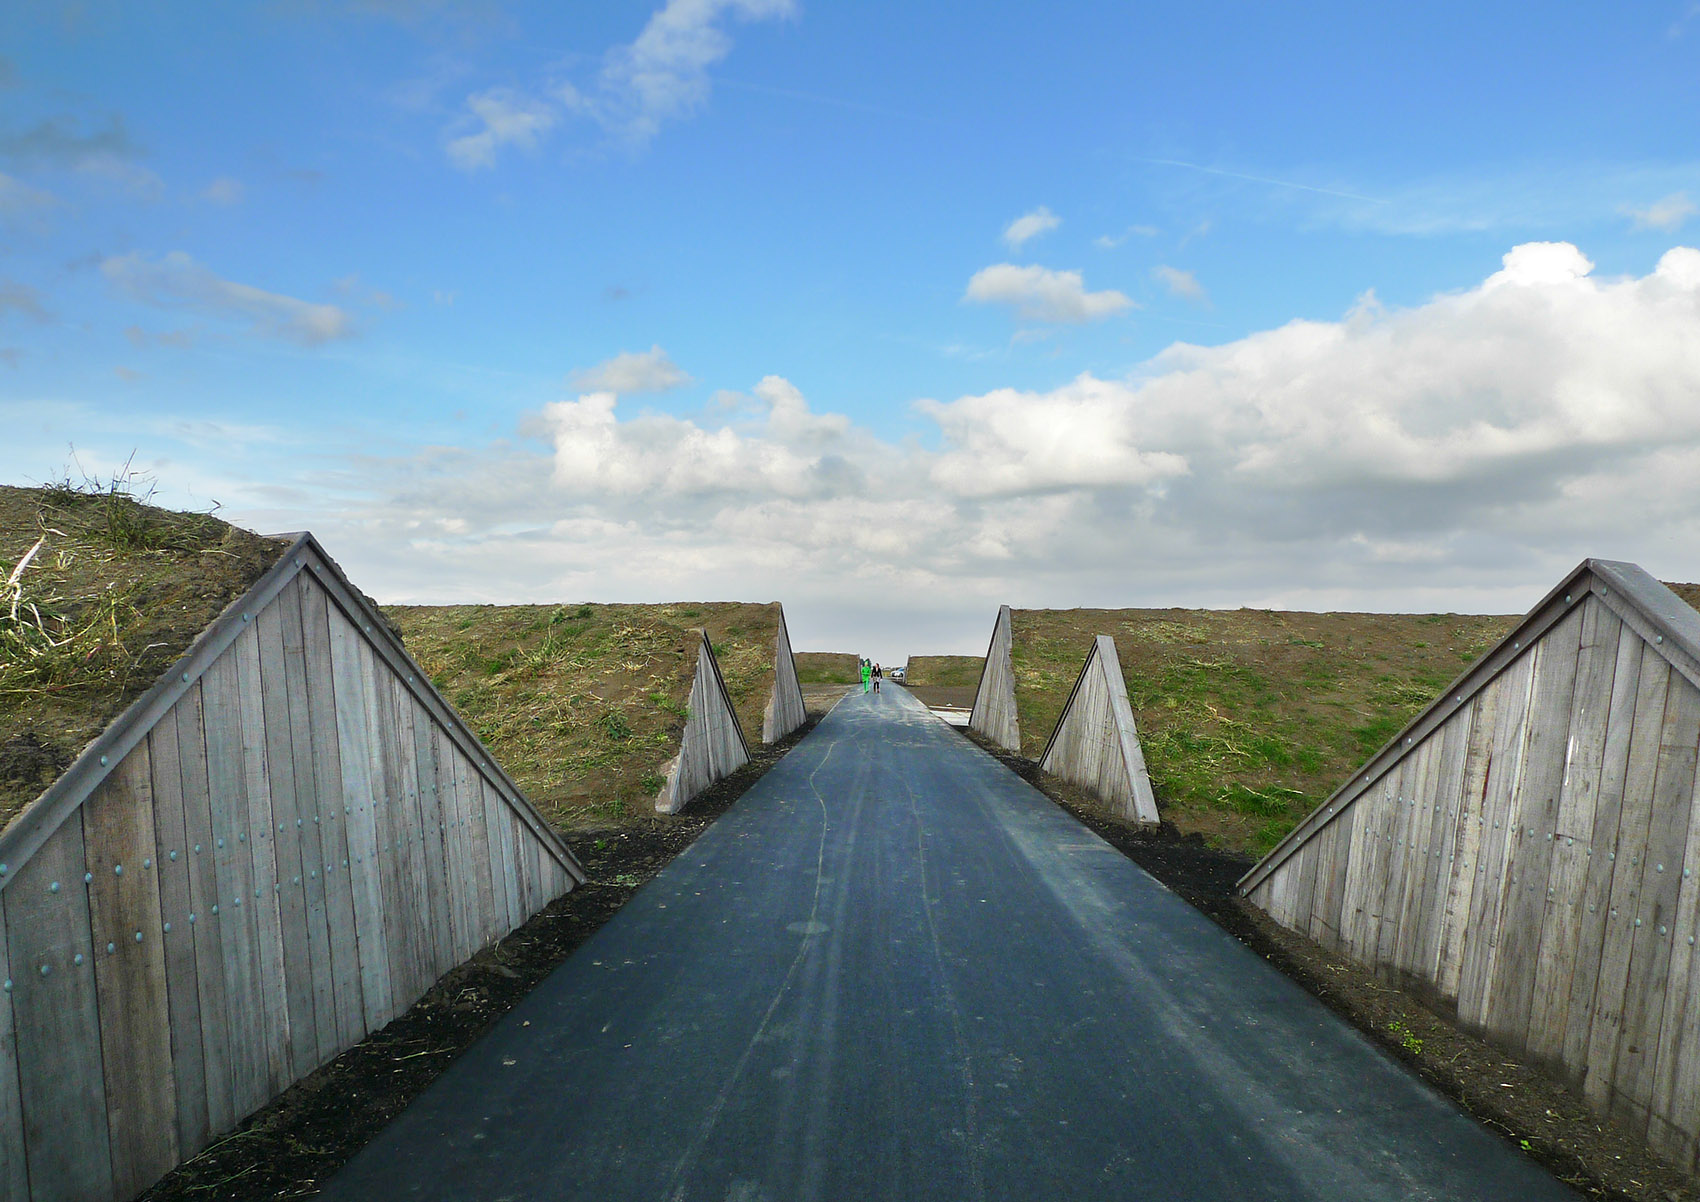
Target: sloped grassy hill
{"type": "Point", "coordinates": [827, 667]}
{"type": "Point", "coordinates": [583, 704]}
{"type": "Point", "coordinates": [944, 671]}
{"type": "Point", "coordinates": [1249, 718]}
{"type": "Point", "coordinates": [100, 592]}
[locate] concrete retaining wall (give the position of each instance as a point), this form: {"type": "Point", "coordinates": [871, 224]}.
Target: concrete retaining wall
{"type": "Point", "coordinates": [1096, 744]}
{"type": "Point", "coordinates": [994, 701]}
{"type": "Point", "coordinates": [713, 744]}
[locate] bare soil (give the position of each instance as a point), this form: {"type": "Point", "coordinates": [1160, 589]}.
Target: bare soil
{"type": "Point", "coordinates": [954, 696]}
{"type": "Point", "coordinates": [290, 1149]}
{"type": "Point", "coordinates": [1533, 1111]}
{"type": "Point", "coordinates": [114, 594]}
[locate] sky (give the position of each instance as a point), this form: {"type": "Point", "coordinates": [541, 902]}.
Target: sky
{"type": "Point", "coordinates": [894, 312]}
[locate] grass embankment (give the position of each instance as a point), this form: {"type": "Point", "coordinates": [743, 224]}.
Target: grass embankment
{"type": "Point", "coordinates": [944, 671]}
{"type": "Point", "coordinates": [100, 592]}
{"type": "Point", "coordinates": [583, 704]}
{"type": "Point", "coordinates": [827, 667]}
{"type": "Point", "coordinates": [1249, 718]}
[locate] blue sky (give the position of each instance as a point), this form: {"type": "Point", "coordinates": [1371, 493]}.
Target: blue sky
{"type": "Point", "coordinates": [893, 312]}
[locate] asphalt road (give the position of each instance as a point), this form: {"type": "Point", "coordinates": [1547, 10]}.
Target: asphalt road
{"type": "Point", "coordinates": [893, 970]}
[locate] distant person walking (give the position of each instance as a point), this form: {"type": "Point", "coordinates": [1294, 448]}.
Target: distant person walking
{"type": "Point", "coordinates": [877, 675]}
{"type": "Point", "coordinates": [867, 674]}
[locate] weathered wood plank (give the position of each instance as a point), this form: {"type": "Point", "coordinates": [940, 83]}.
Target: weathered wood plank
{"type": "Point", "coordinates": [407, 917]}
{"type": "Point", "coordinates": [1417, 855]}
{"type": "Point", "coordinates": [233, 906]}
{"type": "Point", "coordinates": [386, 826]}
{"type": "Point", "coordinates": [1334, 903]}
{"type": "Point", "coordinates": [14, 1172]}
{"type": "Point", "coordinates": [470, 787]}
{"type": "Point", "coordinates": [1562, 927]}
{"type": "Point", "coordinates": [277, 988]}
{"type": "Point", "coordinates": [1675, 1104]}
{"type": "Point", "coordinates": [1498, 813]}
{"type": "Point", "coordinates": [61, 1078]}
{"type": "Point", "coordinates": [203, 896]}
{"type": "Point", "coordinates": [1633, 825]}
{"type": "Point", "coordinates": [457, 865]}
{"type": "Point", "coordinates": [333, 817]}
{"type": "Point", "coordinates": [1358, 867]}
{"type": "Point", "coordinates": [1472, 822]}
{"type": "Point", "coordinates": [501, 820]}
{"type": "Point", "coordinates": [1530, 840]}
{"type": "Point", "coordinates": [129, 966]}
{"type": "Point", "coordinates": [1661, 880]}
{"type": "Point", "coordinates": [1445, 796]}
{"type": "Point", "coordinates": [171, 857]}
{"type": "Point", "coordinates": [1595, 902]}
{"type": "Point", "coordinates": [434, 820]}
{"type": "Point", "coordinates": [310, 748]}
{"type": "Point", "coordinates": [354, 740]}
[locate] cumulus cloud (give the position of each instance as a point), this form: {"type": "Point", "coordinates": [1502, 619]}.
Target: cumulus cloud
{"type": "Point", "coordinates": [632, 372]}
{"type": "Point", "coordinates": [176, 281]}
{"type": "Point", "coordinates": [496, 118]}
{"type": "Point", "coordinates": [1667, 215]}
{"type": "Point", "coordinates": [1111, 241]}
{"type": "Point", "coordinates": [1030, 225]}
{"type": "Point", "coordinates": [21, 298]}
{"type": "Point", "coordinates": [1458, 454]}
{"type": "Point", "coordinates": [1179, 283]}
{"type": "Point", "coordinates": [1041, 294]}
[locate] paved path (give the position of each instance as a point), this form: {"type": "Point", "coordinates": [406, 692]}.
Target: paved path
{"type": "Point", "coordinates": [894, 971]}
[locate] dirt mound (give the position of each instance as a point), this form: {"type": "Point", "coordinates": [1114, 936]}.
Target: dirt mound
{"type": "Point", "coordinates": [100, 592]}
{"type": "Point", "coordinates": [583, 704]}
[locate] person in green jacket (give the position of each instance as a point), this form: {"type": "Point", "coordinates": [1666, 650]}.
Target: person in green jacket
{"type": "Point", "coordinates": [866, 673]}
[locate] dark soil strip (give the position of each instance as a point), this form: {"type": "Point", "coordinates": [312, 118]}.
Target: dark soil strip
{"type": "Point", "coordinates": [1539, 1114]}
{"type": "Point", "coordinates": [289, 1149]}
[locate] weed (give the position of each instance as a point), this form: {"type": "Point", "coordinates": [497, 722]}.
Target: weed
{"type": "Point", "coordinates": [1412, 1044]}
{"type": "Point", "coordinates": [615, 726]}
{"type": "Point", "coordinates": [652, 783]}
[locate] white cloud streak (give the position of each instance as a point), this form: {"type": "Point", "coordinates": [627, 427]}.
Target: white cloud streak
{"type": "Point", "coordinates": [632, 372]}
{"type": "Point", "coordinates": [1041, 294]}
{"type": "Point", "coordinates": [1666, 215]}
{"type": "Point", "coordinates": [1029, 226]}
{"type": "Point", "coordinates": [1180, 283]}
{"type": "Point", "coordinates": [176, 281]}
{"type": "Point", "coordinates": [497, 118]}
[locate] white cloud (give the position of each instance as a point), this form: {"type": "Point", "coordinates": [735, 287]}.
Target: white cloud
{"type": "Point", "coordinates": [1459, 454]}
{"type": "Point", "coordinates": [1111, 241]}
{"type": "Point", "coordinates": [1030, 225]}
{"type": "Point", "coordinates": [224, 190]}
{"type": "Point", "coordinates": [1667, 215]}
{"type": "Point", "coordinates": [21, 298]}
{"type": "Point", "coordinates": [496, 118]}
{"type": "Point", "coordinates": [176, 281]}
{"type": "Point", "coordinates": [663, 74]}
{"type": "Point", "coordinates": [1180, 283]}
{"type": "Point", "coordinates": [1041, 294]}
{"type": "Point", "coordinates": [632, 371]}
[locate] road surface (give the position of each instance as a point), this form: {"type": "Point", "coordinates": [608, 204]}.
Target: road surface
{"type": "Point", "coordinates": [893, 970]}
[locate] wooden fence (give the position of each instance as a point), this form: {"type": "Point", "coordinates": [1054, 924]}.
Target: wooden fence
{"type": "Point", "coordinates": [274, 852]}
{"type": "Point", "coordinates": [785, 711]}
{"type": "Point", "coordinates": [994, 714]}
{"type": "Point", "coordinates": [1528, 850]}
{"type": "Point", "coordinates": [1096, 743]}
{"type": "Point", "coordinates": [713, 744]}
